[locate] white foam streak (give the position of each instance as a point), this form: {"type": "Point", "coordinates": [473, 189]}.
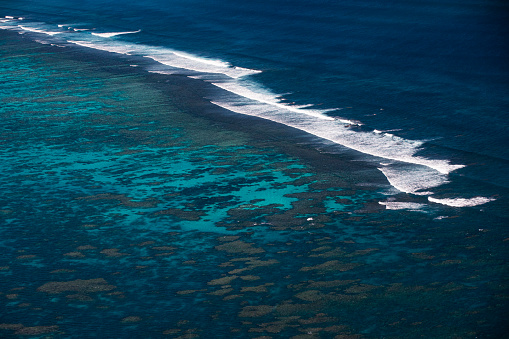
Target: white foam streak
{"type": "Point", "coordinates": [193, 63]}
{"type": "Point", "coordinates": [269, 99]}
{"type": "Point", "coordinates": [164, 72]}
{"type": "Point", "coordinates": [120, 49]}
{"type": "Point", "coordinates": [112, 34]}
{"type": "Point", "coordinates": [413, 179]}
{"type": "Point", "coordinates": [395, 205]}
{"type": "Point", "coordinates": [225, 67]}
{"type": "Point", "coordinates": [348, 122]}
{"type": "Point", "coordinates": [35, 30]}
{"type": "Point", "coordinates": [217, 63]}
{"type": "Point", "coordinates": [461, 202]}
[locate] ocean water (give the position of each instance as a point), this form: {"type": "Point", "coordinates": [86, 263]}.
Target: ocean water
{"type": "Point", "coordinates": [262, 169]}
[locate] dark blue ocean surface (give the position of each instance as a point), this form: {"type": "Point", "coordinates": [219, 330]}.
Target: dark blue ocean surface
{"type": "Point", "coordinates": [256, 169]}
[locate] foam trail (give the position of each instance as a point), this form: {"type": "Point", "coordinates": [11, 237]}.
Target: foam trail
{"type": "Point", "coordinates": [218, 63]}
{"type": "Point", "coordinates": [35, 30]}
{"type": "Point", "coordinates": [413, 180]}
{"type": "Point", "coordinates": [181, 60]}
{"type": "Point", "coordinates": [120, 49]}
{"type": "Point", "coordinates": [462, 202]}
{"type": "Point", "coordinates": [395, 205]}
{"type": "Point", "coordinates": [111, 34]}
{"type": "Point", "coordinates": [269, 99]}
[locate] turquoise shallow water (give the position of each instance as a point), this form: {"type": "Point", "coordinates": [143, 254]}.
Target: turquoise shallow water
{"type": "Point", "coordinates": [127, 212]}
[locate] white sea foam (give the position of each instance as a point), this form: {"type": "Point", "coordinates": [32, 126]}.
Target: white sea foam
{"type": "Point", "coordinates": [113, 48]}
{"type": "Point", "coordinates": [413, 179]}
{"type": "Point", "coordinates": [111, 34]}
{"type": "Point", "coordinates": [461, 202]}
{"type": "Point", "coordinates": [42, 42]}
{"type": "Point", "coordinates": [395, 205]}
{"type": "Point", "coordinates": [35, 30]}
{"type": "Point", "coordinates": [348, 122]}
{"type": "Point", "coordinates": [164, 72]}
{"type": "Point", "coordinates": [218, 63]}
{"type": "Point", "coordinates": [193, 63]}
{"type": "Point", "coordinates": [270, 100]}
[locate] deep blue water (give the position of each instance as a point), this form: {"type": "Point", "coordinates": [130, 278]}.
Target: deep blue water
{"type": "Point", "coordinates": [254, 169]}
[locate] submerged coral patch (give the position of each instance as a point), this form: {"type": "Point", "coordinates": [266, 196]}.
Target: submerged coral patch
{"type": "Point", "coordinates": [78, 285]}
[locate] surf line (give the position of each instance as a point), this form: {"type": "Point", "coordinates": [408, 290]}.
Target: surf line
{"type": "Point", "coordinates": [35, 30]}
{"type": "Point", "coordinates": [313, 121]}
{"type": "Point", "coordinates": [112, 34]}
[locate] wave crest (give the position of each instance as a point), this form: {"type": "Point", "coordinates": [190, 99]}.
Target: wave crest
{"type": "Point", "coordinates": [462, 202]}
{"type": "Point", "coordinates": [112, 34]}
